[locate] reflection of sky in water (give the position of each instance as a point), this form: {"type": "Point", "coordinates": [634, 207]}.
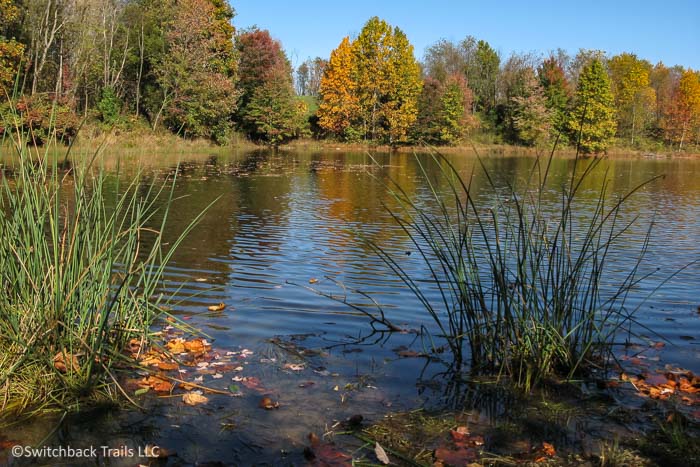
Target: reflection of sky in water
{"type": "Point", "coordinates": [288, 218]}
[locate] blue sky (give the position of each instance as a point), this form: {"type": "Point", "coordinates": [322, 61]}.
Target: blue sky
{"type": "Point", "coordinates": [660, 30]}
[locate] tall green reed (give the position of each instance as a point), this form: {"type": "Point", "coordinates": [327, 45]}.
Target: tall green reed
{"type": "Point", "coordinates": [82, 258]}
{"type": "Point", "coordinates": [520, 284]}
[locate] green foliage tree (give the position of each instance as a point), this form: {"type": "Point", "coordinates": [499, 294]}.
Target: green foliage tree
{"type": "Point", "coordinates": [592, 121]}
{"type": "Point", "coordinates": [557, 93]}
{"type": "Point", "coordinates": [11, 51]}
{"type": "Point", "coordinates": [197, 70]}
{"type": "Point", "coordinates": [268, 109]}
{"type": "Point", "coordinates": [444, 114]}
{"type": "Point", "coordinates": [483, 82]}
{"type": "Point", "coordinates": [635, 99]}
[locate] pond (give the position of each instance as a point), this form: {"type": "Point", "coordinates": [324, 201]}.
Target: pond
{"type": "Point", "coordinates": [288, 225]}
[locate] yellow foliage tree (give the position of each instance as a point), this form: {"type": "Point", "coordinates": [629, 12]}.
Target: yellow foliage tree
{"type": "Point", "coordinates": [370, 87]}
{"type": "Point", "coordinates": [339, 106]}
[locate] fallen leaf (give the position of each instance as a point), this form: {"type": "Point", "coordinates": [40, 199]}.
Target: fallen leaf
{"type": "Point", "coordinates": [460, 434]}
{"type": "Point", "coordinates": [60, 359]}
{"type": "Point", "coordinates": [194, 398]}
{"type": "Point", "coordinates": [156, 383]}
{"type": "Point", "coordinates": [381, 454]}
{"type": "Point", "coordinates": [254, 383]}
{"type": "Point", "coordinates": [268, 404]}
{"type": "Point", "coordinates": [176, 345]}
{"type": "Point", "coordinates": [167, 366]}
{"type": "Point", "coordinates": [141, 391]}
{"type": "Point", "coordinates": [459, 456]}
{"type": "Point", "coordinates": [221, 306]}
{"type": "Point", "coordinates": [313, 280]}
{"type": "Point", "coordinates": [197, 346]}
{"type": "Point", "coordinates": [294, 366]}
{"type": "Point", "coordinates": [548, 449]}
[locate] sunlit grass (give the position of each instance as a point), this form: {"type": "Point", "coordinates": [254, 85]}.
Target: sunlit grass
{"type": "Point", "coordinates": [81, 263]}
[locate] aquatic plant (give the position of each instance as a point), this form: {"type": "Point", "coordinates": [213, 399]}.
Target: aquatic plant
{"type": "Point", "coordinates": [524, 287]}
{"type": "Point", "coordinates": [82, 258]}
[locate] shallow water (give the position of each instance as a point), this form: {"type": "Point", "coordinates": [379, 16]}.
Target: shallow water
{"type": "Point", "coordinates": [287, 218]}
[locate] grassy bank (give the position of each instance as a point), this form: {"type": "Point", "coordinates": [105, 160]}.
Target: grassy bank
{"type": "Point", "coordinates": [81, 264]}
{"type": "Point", "coordinates": [467, 147]}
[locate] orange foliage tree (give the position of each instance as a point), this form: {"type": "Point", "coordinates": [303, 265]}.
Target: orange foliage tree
{"type": "Point", "coordinates": [339, 104]}
{"type": "Point", "coordinates": [682, 115]}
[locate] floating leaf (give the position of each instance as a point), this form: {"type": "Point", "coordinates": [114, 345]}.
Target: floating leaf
{"type": "Point", "coordinates": [460, 434]}
{"type": "Point", "coordinates": [459, 456]}
{"type": "Point", "coordinates": [221, 306]}
{"type": "Point", "coordinates": [167, 366]}
{"type": "Point", "coordinates": [194, 398]}
{"type": "Point", "coordinates": [197, 346]}
{"type": "Point", "coordinates": [176, 345]}
{"type": "Point", "coordinates": [294, 366]}
{"type": "Point", "coordinates": [156, 383]}
{"type": "Point", "coordinates": [313, 280]}
{"type": "Point", "coordinates": [381, 454]}
{"type": "Point", "coordinates": [268, 404]}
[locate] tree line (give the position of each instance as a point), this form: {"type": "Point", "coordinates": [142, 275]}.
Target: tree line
{"type": "Point", "coordinates": [181, 65]}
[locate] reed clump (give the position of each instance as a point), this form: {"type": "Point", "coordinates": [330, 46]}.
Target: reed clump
{"type": "Point", "coordinates": [82, 258]}
{"type": "Point", "coordinates": [523, 284]}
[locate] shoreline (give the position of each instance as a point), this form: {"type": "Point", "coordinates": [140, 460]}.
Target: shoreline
{"type": "Point", "coordinates": [167, 142]}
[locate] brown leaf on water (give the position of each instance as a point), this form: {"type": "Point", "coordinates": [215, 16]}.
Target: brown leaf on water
{"type": "Point", "coordinates": [251, 382]}
{"type": "Point", "coordinates": [156, 383]}
{"type": "Point", "coordinates": [461, 433]}
{"type": "Point", "coordinates": [268, 404]}
{"type": "Point", "coordinates": [168, 366]}
{"type": "Point", "coordinates": [458, 457]}
{"type": "Point", "coordinates": [64, 360]}
{"type": "Point", "coordinates": [196, 346]}
{"type": "Point", "coordinates": [313, 280]}
{"type": "Point", "coordinates": [220, 307]}
{"type": "Point", "coordinates": [326, 455]}
{"type": "Point", "coordinates": [176, 345]}
{"type": "Point", "coordinates": [194, 398]}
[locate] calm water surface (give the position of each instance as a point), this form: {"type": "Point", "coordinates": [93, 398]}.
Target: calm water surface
{"type": "Point", "coordinates": [283, 219]}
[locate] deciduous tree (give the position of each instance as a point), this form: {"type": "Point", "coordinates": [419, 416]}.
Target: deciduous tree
{"type": "Point", "coordinates": [268, 109]}
{"type": "Point", "coordinates": [592, 120]}
{"type": "Point", "coordinates": [339, 107]}
{"type": "Point", "coordinates": [635, 100]}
